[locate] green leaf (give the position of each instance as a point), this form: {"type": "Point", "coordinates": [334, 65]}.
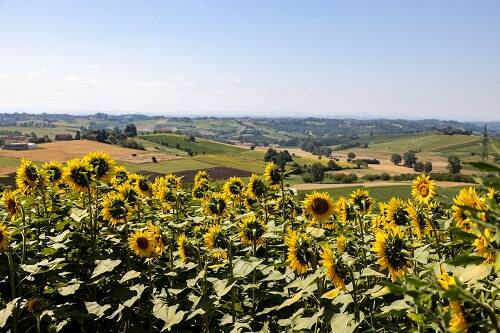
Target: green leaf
{"type": "Point", "coordinates": [69, 290]}
{"type": "Point", "coordinates": [343, 322]}
{"type": "Point", "coordinates": [398, 305]}
{"type": "Point", "coordinates": [96, 309]}
{"type": "Point", "coordinates": [290, 301]}
{"type": "Point", "coordinates": [129, 276]}
{"type": "Point", "coordinates": [78, 214]}
{"type": "Point", "coordinates": [465, 260]}
{"type": "Point", "coordinates": [103, 266]}
{"type": "Point", "coordinates": [416, 317]}
{"type": "Point", "coordinates": [242, 268]}
{"type": "Point", "coordinates": [138, 288]}
{"type": "Point", "coordinates": [473, 273]}
{"type": "Point", "coordinates": [168, 314]}
{"type": "Point", "coordinates": [5, 313]}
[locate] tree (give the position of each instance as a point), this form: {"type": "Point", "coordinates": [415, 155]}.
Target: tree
{"type": "Point", "coordinates": [130, 130]}
{"type": "Point", "coordinates": [351, 155]}
{"type": "Point", "coordinates": [409, 159]}
{"type": "Point", "coordinates": [396, 159]}
{"type": "Point", "coordinates": [317, 172]}
{"type": "Point", "coordinates": [418, 166]}
{"type": "Point", "coordinates": [192, 138]}
{"type": "Point", "coordinates": [454, 164]}
{"type": "Point", "coordinates": [332, 165]}
{"type": "Point", "coordinates": [427, 167]}
{"type": "Point", "coordinates": [77, 135]}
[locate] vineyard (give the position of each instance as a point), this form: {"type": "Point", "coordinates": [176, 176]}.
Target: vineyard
{"type": "Point", "coordinates": [89, 247]}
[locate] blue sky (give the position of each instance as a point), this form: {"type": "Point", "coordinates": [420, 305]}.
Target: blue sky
{"type": "Point", "coordinates": [416, 59]}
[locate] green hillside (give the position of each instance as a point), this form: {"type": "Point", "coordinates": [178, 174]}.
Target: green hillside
{"type": "Point", "coordinates": [199, 146]}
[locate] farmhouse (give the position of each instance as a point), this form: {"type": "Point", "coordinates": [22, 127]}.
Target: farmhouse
{"type": "Point", "coordinates": [63, 137]}
{"type": "Point", "coordinates": [17, 142]}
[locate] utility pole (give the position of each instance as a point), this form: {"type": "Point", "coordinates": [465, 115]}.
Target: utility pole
{"type": "Point", "coordinates": [484, 155]}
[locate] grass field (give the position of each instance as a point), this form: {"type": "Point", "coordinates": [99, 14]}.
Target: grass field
{"type": "Point", "coordinates": [384, 193]}
{"type": "Point", "coordinates": [41, 131]}
{"type": "Point", "coordinates": [200, 146]}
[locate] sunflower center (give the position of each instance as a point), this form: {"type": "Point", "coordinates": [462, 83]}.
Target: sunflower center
{"type": "Point", "coordinates": [394, 254]}
{"type": "Point", "coordinates": [254, 231]}
{"type": "Point", "coordinates": [31, 172]}
{"type": "Point", "coordinates": [118, 209]}
{"type": "Point", "coordinates": [275, 176]}
{"type": "Point", "coordinates": [101, 166]}
{"type": "Point", "coordinates": [235, 188]}
{"type": "Point", "coordinates": [79, 176]}
{"type": "Point", "coordinates": [259, 188]}
{"type": "Point", "coordinates": [401, 216]}
{"type": "Point", "coordinates": [121, 177]}
{"type": "Point", "coordinates": [320, 205]}
{"type": "Point", "coordinates": [55, 174]}
{"type": "Point", "coordinates": [143, 185]}
{"type": "Point", "coordinates": [424, 190]}
{"type": "Point", "coordinates": [142, 243]}
{"type": "Point", "coordinates": [217, 206]}
{"type": "Point", "coordinates": [304, 256]}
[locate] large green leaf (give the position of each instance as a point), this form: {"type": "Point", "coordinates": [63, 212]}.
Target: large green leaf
{"type": "Point", "coordinates": [104, 266]}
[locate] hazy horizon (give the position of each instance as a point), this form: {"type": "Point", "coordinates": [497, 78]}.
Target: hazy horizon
{"type": "Point", "coordinates": [366, 60]}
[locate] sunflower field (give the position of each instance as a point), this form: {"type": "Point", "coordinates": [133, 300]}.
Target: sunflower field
{"type": "Point", "coordinates": [89, 247]}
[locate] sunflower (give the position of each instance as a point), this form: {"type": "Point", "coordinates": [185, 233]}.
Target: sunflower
{"type": "Point", "coordinates": [423, 188]}
{"type": "Point", "coordinates": [418, 219]}
{"type": "Point", "coordinates": [77, 174]}
{"type": "Point", "coordinates": [4, 238]}
{"type": "Point", "coordinates": [466, 200]}
{"type": "Point", "coordinates": [200, 188]}
{"type": "Point", "coordinates": [332, 263]}
{"type": "Point", "coordinates": [215, 242]}
{"type": "Point", "coordinates": [9, 200]}
{"type": "Point", "coordinates": [142, 243]}
{"type": "Point", "coordinates": [102, 165]}
{"type": "Point", "coordinates": [114, 209]}
{"type": "Point", "coordinates": [28, 175]}
{"type": "Point", "coordinates": [494, 195]}
{"type": "Point", "coordinates": [397, 212]}
{"type": "Point", "coordinates": [483, 245]}
{"type": "Point", "coordinates": [300, 254]}
{"type": "Point", "coordinates": [345, 210]}
{"type": "Point", "coordinates": [233, 187]}
{"type": "Point", "coordinates": [54, 171]}
{"type": "Point", "coordinates": [201, 175]}
{"type": "Point", "coordinates": [362, 200]}
{"type": "Point", "coordinates": [256, 188]}
{"type": "Point", "coordinates": [249, 201]}
{"type": "Point", "coordinates": [172, 182]}
{"type": "Point", "coordinates": [378, 222]}
{"type": "Point", "coordinates": [34, 305]}
{"type": "Point", "coordinates": [446, 280]}
{"type": "Point", "coordinates": [457, 323]}
{"type": "Point", "coordinates": [341, 243]}
{"type": "Point", "coordinates": [186, 249]}
{"type": "Point", "coordinates": [273, 175]}
{"type": "Point", "coordinates": [142, 185]}
{"type": "Point", "coordinates": [129, 193]}
{"type": "Point", "coordinates": [319, 205]}
{"type": "Point", "coordinates": [156, 234]}
{"type": "Point", "coordinates": [120, 175]}
{"type": "Point", "coordinates": [215, 205]}
{"type": "Point", "coordinates": [289, 203]}
{"type": "Point", "coordinates": [252, 230]}
{"type": "Point", "coordinates": [389, 246]}
{"type": "Point", "coordinates": [167, 195]}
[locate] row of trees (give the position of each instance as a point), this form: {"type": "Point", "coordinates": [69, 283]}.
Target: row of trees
{"type": "Point", "coordinates": [410, 160]}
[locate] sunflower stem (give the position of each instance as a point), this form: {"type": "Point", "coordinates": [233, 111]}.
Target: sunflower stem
{"type": "Point", "coordinates": [150, 309]}
{"type": "Point", "coordinates": [438, 244]}
{"type": "Point", "coordinates": [254, 274]}
{"type": "Point", "coordinates": [23, 234]}
{"type": "Point", "coordinates": [12, 286]}
{"type": "Point", "coordinates": [354, 294]}
{"type": "Point", "coordinates": [231, 278]}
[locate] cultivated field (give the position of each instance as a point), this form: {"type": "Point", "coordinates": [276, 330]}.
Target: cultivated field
{"type": "Point", "coordinates": [62, 151]}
